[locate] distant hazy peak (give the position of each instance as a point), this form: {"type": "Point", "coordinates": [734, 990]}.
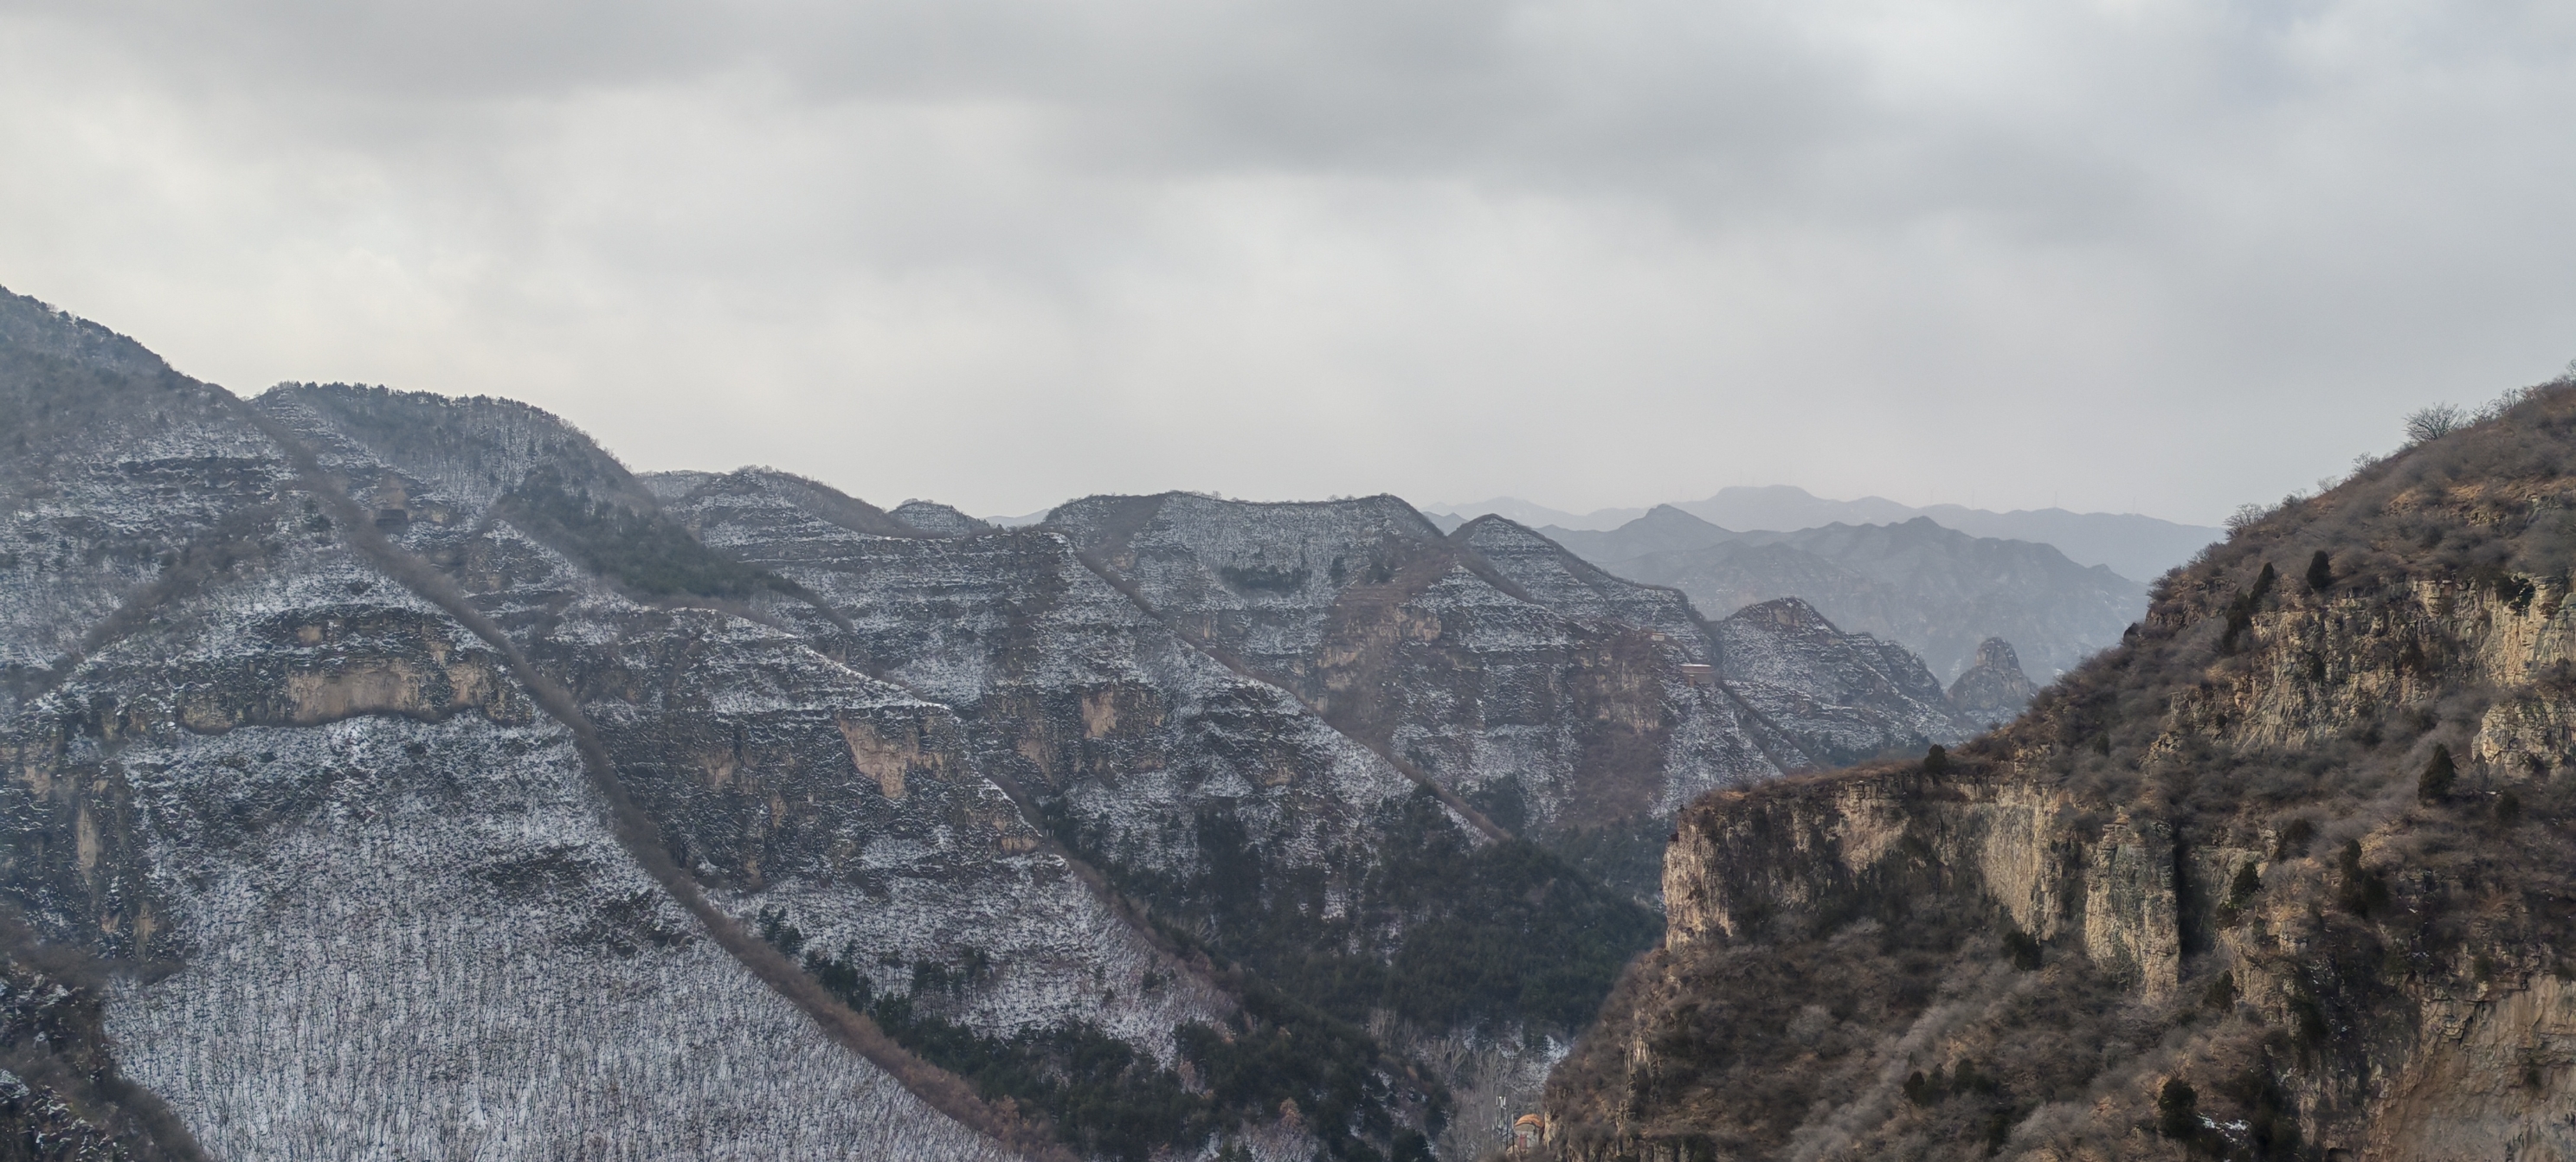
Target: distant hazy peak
{"type": "Point", "coordinates": [1019, 521]}
{"type": "Point", "coordinates": [1661, 529]}
{"type": "Point", "coordinates": [937, 519]}
{"type": "Point", "coordinates": [1994, 689]}
{"type": "Point", "coordinates": [2140, 548]}
{"type": "Point", "coordinates": [1997, 653]}
{"type": "Point", "coordinates": [1533, 515]}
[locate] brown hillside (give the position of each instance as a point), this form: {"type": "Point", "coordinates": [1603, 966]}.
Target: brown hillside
{"type": "Point", "coordinates": [2286, 875]}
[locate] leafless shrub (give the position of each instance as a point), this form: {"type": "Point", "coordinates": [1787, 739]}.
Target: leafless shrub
{"type": "Point", "coordinates": [2497, 407]}
{"type": "Point", "coordinates": [2435, 422]}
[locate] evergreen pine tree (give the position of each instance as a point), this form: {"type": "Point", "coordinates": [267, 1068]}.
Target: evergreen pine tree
{"type": "Point", "coordinates": [2435, 785]}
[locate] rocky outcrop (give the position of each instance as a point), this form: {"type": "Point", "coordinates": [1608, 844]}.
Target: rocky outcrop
{"type": "Point", "coordinates": [1994, 690]}
{"type": "Point", "coordinates": [2279, 878]}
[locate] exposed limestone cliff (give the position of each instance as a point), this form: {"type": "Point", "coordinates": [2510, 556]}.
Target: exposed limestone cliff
{"type": "Point", "coordinates": [2287, 875]}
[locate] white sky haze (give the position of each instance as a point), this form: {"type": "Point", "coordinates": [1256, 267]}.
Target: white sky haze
{"type": "Point", "coordinates": [2155, 255]}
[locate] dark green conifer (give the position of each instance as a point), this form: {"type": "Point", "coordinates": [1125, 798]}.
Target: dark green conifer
{"type": "Point", "coordinates": [2178, 1110]}
{"type": "Point", "coordinates": [2439, 774]}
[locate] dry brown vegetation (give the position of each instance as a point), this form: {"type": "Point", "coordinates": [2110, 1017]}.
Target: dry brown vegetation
{"type": "Point", "coordinates": [2352, 850]}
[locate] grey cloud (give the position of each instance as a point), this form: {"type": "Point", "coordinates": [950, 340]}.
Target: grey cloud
{"type": "Point", "coordinates": [2144, 253]}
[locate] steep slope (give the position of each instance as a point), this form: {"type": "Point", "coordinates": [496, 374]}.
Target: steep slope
{"type": "Point", "coordinates": [1937, 591]}
{"type": "Point", "coordinates": [1552, 720]}
{"type": "Point", "coordinates": [1852, 696]}
{"type": "Point", "coordinates": [423, 782]}
{"type": "Point", "coordinates": [62, 1093]}
{"type": "Point", "coordinates": [220, 691]}
{"type": "Point", "coordinates": [2284, 876]}
{"type": "Point", "coordinates": [850, 821]}
{"type": "Point", "coordinates": [1245, 822]}
{"type": "Point", "coordinates": [583, 789]}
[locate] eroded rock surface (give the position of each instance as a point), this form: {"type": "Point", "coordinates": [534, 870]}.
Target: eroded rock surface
{"type": "Point", "coordinates": [418, 781]}
{"type": "Point", "coordinates": [2282, 877]}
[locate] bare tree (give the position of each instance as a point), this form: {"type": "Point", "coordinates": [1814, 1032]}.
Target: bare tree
{"type": "Point", "coordinates": [2435, 422]}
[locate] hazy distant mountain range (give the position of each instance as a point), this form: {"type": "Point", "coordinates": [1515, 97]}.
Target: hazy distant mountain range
{"type": "Point", "coordinates": [1937, 591]}
{"type": "Point", "coordinates": [2139, 548]}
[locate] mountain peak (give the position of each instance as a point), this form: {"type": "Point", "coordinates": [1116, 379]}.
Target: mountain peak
{"type": "Point", "coordinates": [1993, 689]}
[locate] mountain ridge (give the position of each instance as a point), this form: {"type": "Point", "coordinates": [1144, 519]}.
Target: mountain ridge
{"type": "Point", "coordinates": [2137, 547]}
{"type": "Point", "coordinates": [1937, 591]}
{"type": "Point", "coordinates": [2280, 877]}
{"type": "Point", "coordinates": [349, 724]}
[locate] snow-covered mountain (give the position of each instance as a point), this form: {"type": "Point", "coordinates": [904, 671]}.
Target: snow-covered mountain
{"type": "Point", "coordinates": [399, 775]}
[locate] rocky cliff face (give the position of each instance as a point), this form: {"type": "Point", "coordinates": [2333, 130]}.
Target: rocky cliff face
{"type": "Point", "coordinates": [396, 774]}
{"type": "Point", "coordinates": [350, 820]}
{"type": "Point", "coordinates": [2282, 877]}
{"type": "Point", "coordinates": [1549, 694]}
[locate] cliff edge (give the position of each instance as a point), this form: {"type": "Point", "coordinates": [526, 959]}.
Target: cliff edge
{"type": "Point", "coordinates": [2283, 876]}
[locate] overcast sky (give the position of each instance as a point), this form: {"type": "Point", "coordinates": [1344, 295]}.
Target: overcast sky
{"type": "Point", "coordinates": [2131, 255]}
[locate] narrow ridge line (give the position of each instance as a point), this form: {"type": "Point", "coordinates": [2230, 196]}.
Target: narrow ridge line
{"type": "Point", "coordinates": [641, 838]}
